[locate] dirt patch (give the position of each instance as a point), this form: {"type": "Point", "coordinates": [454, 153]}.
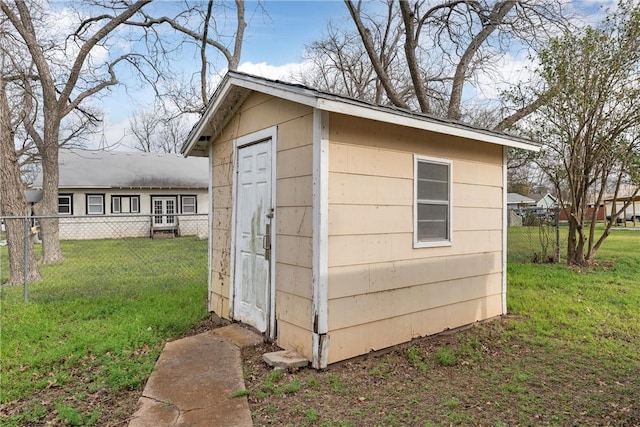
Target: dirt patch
{"type": "Point", "coordinates": [481, 376]}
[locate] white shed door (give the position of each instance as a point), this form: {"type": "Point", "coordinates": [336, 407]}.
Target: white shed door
{"type": "Point", "coordinates": [253, 204]}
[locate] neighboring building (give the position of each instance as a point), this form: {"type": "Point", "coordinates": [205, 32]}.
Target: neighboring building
{"type": "Point", "coordinates": [630, 214]}
{"type": "Point", "coordinates": [340, 227]}
{"type": "Point", "coordinates": [548, 201]}
{"type": "Point", "coordinates": [518, 201]}
{"type": "Point", "coordinates": [124, 186]}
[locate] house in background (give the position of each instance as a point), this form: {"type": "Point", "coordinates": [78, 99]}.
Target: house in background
{"type": "Point", "coordinates": [548, 201]}
{"type": "Point", "coordinates": [106, 194]}
{"type": "Point", "coordinates": [630, 214]}
{"type": "Point", "coordinates": [518, 201]}
{"type": "Point", "coordinates": [341, 227]}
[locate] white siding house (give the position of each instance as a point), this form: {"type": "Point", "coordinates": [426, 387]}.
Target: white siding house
{"type": "Point", "coordinates": [127, 188]}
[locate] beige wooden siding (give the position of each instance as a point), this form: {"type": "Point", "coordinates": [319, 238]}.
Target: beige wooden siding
{"type": "Point", "coordinates": [347, 342]}
{"type": "Point", "coordinates": [293, 213]}
{"type": "Point", "coordinates": [382, 291]}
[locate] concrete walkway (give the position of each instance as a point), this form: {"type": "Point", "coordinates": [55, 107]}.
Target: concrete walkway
{"type": "Point", "coordinates": [193, 382]}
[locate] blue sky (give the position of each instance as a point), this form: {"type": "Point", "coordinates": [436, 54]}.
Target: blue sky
{"type": "Point", "coordinates": [273, 44]}
{"type": "Point", "coordinates": [279, 38]}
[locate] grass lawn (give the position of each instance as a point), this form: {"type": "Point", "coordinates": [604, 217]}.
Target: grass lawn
{"type": "Point", "coordinates": [93, 329]}
{"type": "Point", "coordinates": [568, 354]}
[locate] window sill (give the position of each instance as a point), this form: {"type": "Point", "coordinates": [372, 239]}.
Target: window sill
{"type": "Point", "coordinates": [434, 244]}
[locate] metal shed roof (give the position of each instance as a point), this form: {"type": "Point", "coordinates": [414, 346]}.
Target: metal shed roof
{"type": "Point", "coordinates": [236, 87]}
{"type": "Point", "coordinates": [114, 169]}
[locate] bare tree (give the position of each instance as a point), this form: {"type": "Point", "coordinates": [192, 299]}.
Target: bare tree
{"type": "Point", "coordinates": [62, 88]}
{"type": "Point", "coordinates": [143, 125]}
{"type": "Point", "coordinates": [592, 125]}
{"type": "Point", "coordinates": [339, 64]}
{"type": "Point", "coordinates": [154, 133]}
{"type": "Point", "coordinates": [207, 29]}
{"type": "Point", "coordinates": [424, 54]}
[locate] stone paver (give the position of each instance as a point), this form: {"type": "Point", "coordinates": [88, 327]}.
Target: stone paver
{"type": "Point", "coordinates": [285, 359]}
{"type": "Point", "coordinates": [193, 382]}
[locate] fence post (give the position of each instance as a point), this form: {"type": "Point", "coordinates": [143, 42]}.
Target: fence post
{"type": "Point", "coordinates": [557, 224]}
{"type": "Point", "coordinates": [26, 259]}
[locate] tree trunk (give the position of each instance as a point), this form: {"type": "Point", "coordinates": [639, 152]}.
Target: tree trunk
{"type": "Point", "coordinates": [575, 244]}
{"type": "Point", "coordinates": [14, 202]}
{"type": "Point", "coordinates": [51, 252]}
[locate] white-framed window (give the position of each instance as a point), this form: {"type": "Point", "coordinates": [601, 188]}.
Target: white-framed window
{"type": "Point", "coordinates": [431, 202]}
{"type": "Point", "coordinates": [188, 204]}
{"type": "Point", "coordinates": [95, 204]}
{"type": "Point", "coordinates": [65, 204]}
{"type": "Point", "coordinates": [125, 204]}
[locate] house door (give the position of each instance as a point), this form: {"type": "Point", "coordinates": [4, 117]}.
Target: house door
{"type": "Point", "coordinates": [252, 235]}
{"type": "Point", "coordinates": [164, 210]}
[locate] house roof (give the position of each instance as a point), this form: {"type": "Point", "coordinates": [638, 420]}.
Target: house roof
{"type": "Point", "coordinates": [517, 198]}
{"type": "Point", "coordinates": [236, 87]}
{"type": "Point", "coordinates": [623, 199]}
{"type": "Point", "coordinates": [114, 169]}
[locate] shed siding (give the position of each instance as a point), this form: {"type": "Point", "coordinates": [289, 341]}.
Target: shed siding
{"type": "Point", "coordinates": [382, 291]}
{"type": "Point", "coordinates": [292, 219]}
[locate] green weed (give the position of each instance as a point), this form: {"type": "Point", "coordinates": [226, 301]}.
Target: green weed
{"type": "Point", "coordinates": [446, 357]}
{"type": "Point", "coordinates": [416, 359]}
{"type": "Point", "coordinates": [240, 393]}
{"type": "Point", "coordinates": [312, 415]}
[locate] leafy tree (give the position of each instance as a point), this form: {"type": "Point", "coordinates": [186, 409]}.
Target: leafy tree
{"type": "Point", "coordinates": [591, 127]}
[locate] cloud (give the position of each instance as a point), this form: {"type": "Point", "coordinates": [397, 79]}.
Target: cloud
{"type": "Point", "coordinates": [511, 70]}
{"type": "Point", "coordinates": [286, 72]}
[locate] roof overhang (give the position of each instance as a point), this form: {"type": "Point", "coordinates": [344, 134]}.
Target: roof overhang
{"type": "Point", "coordinates": [236, 87]}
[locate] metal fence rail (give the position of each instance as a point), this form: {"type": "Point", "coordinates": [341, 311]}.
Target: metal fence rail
{"type": "Point", "coordinates": [139, 247]}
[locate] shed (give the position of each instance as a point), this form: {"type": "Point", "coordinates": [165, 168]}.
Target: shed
{"type": "Point", "coordinates": [340, 227]}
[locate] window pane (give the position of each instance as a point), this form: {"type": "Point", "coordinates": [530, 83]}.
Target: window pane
{"type": "Point", "coordinates": [432, 230]}
{"type": "Point", "coordinates": [157, 209]}
{"type": "Point", "coordinates": [135, 204]}
{"type": "Point", "coordinates": [427, 212]}
{"type": "Point", "coordinates": [94, 205]}
{"type": "Point", "coordinates": [64, 204]}
{"type": "Point", "coordinates": [115, 204]}
{"type": "Point", "coordinates": [433, 171]}
{"type": "Point", "coordinates": [431, 190]}
{"type": "Point", "coordinates": [433, 204]}
{"type": "Point", "coordinates": [188, 204]}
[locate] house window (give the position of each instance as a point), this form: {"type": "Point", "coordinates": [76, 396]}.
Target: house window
{"type": "Point", "coordinates": [95, 204]}
{"type": "Point", "coordinates": [65, 204]}
{"type": "Point", "coordinates": [125, 204]}
{"type": "Point", "coordinates": [432, 202]}
{"type": "Point", "coordinates": [189, 204]}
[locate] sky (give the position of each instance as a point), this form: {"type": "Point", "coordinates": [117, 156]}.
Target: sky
{"type": "Point", "coordinates": [273, 47]}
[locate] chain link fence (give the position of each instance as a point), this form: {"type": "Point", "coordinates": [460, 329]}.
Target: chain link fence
{"type": "Point", "coordinates": [535, 235]}
{"type": "Point", "coordinates": [102, 254]}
